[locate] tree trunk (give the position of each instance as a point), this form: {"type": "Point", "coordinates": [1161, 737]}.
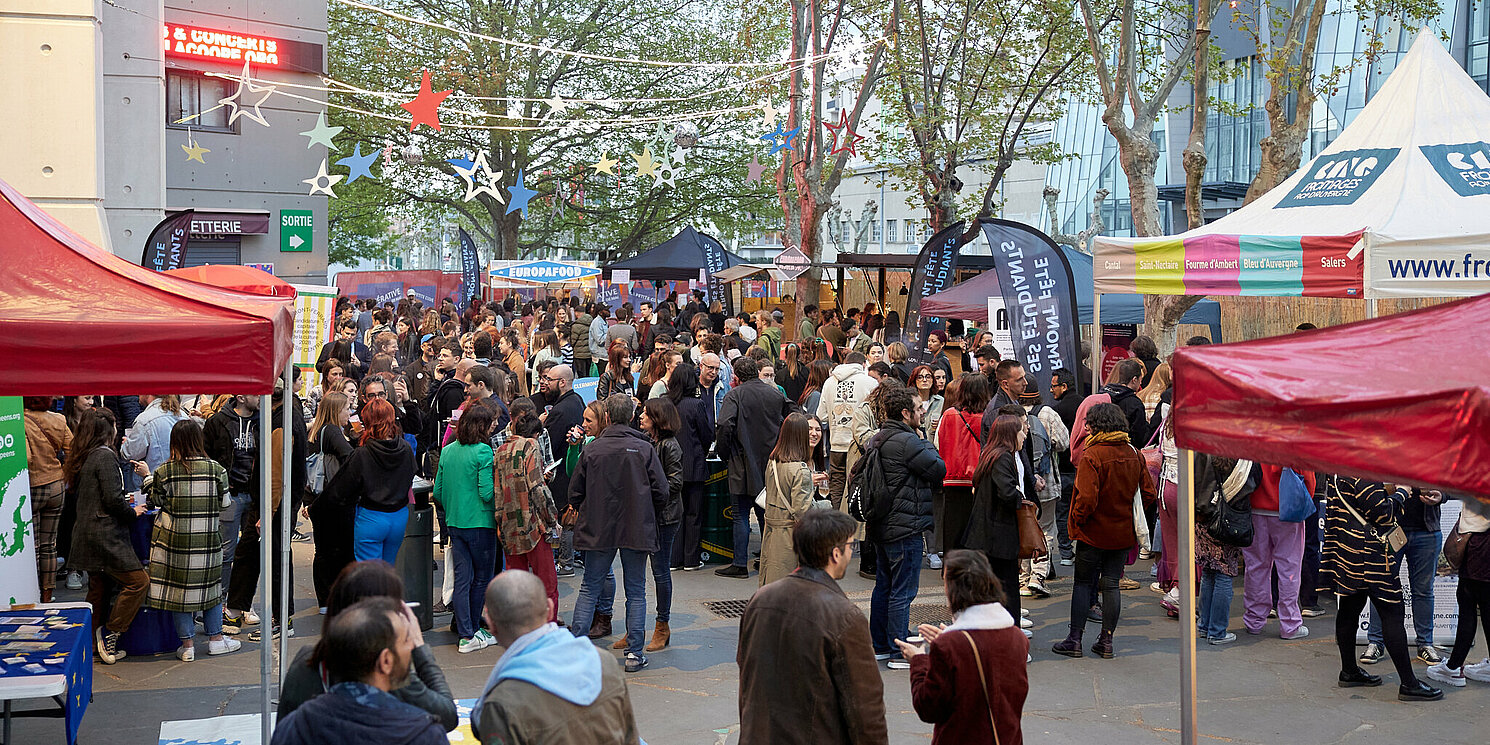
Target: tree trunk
{"type": "Point", "coordinates": [1194, 155]}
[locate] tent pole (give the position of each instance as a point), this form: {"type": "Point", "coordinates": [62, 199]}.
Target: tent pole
{"type": "Point", "coordinates": [1096, 361]}
{"type": "Point", "coordinates": [286, 513]}
{"type": "Point", "coordinates": [266, 574]}
{"type": "Point", "coordinates": [1189, 721]}
{"type": "Point", "coordinates": [1370, 308]}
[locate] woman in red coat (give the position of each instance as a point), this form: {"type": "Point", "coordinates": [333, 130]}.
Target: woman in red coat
{"type": "Point", "coordinates": [969, 679]}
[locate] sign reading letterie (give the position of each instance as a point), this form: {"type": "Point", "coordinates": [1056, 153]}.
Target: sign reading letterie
{"type": "Point", "coordinates": [179, 40]}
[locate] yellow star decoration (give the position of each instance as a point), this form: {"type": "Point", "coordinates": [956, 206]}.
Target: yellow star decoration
{"type": "Point", "coordinates": [646, 165]}
{"type": "Point", "coordinates": [195, 151]}
{"type": "Point", "coordinates": [605, 165]}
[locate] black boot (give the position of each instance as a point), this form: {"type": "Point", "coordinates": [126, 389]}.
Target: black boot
{"type": "Point", "coordinates": [1071, 646]}
{"type": "Point", "coordinates": [1103, 646]}
{"type": "Point", "coordinates": [600, 628]}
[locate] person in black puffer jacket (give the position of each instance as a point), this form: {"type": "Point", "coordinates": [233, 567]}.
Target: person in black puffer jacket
{"type": "Point", "coordinates": [1124, 393]}
{"type": "Point", "coordinates": [911, 468]}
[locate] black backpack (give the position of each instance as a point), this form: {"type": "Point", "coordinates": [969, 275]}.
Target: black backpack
{"type": "Point", "coordinates": [869, 495]}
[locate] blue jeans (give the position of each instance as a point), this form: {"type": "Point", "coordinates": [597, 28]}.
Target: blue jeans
{"type": "Point", "coordinates": [230, 526]}
{"type": "Point", "coordinates": [1215, 603]}
{"type": "Point", "coordinates": [897, 578]}
{"type": "Point", "coordinates": [186, 624]}
{"type": "Point", "coordinates": [1422, 563]}
{"type": "Point", "coordinates": [662, 574]}
{"type": "Point", "coordinates": [633, 577]}
{"type": "Point", "coordinates": [473, 557]}
{"type": "Point", "coordinates": [744, 504]}
{"type": "Point", "coordinates": [377, 535]}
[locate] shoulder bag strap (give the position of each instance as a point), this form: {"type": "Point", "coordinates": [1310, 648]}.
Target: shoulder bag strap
{"type": "Point", "coordinates": [982, 678]}
{"type": "Point", "coordinates": [962, 417]}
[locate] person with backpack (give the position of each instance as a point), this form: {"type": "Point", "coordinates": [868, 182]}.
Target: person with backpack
{"type": "Point", "coordinates": [899, 470]}
{"type": "Point", "coordinates": [329, 449]}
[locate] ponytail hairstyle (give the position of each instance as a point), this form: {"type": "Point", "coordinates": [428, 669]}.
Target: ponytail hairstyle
{"type": "Point", "coordinates": [525, 418]}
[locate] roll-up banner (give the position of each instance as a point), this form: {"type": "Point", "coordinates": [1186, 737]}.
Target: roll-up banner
{"type": "Point", "coordinates": [1040, 296]}
{"type": "Point", "coordinates": [165, 249]}
{"type": "Point", "coordinates": [936, 269]}
{"type": "Point", "coordinates": [470, 269]}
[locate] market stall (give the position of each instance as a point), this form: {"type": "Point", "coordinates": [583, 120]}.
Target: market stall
{"type": "Point", "coordinates": [76, 319]}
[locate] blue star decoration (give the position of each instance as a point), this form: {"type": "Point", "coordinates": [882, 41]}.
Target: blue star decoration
{"type": "Point", "coordinates": [464, 167]}
{"type": "Point", "coordinates": [785, 135]}
{"type": "Point", "coordinates": [519, 195]}
{"type": "Point", "coordinates": [358, 164]}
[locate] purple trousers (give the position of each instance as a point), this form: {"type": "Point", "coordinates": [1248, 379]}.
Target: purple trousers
{"type": "Point", "coordinates": [1275, 545]}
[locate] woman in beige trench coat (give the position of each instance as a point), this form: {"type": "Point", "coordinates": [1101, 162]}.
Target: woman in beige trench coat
{"type": "Point", "coordinates": [789, 493]}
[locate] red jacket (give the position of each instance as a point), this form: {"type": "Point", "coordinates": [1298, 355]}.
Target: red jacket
{"type": "Point", "coordinates": [1265, 496]}
{"type": "Point", "coordinates": [947, 691]}
{"type": "Point", "coordinates": [957, 442]}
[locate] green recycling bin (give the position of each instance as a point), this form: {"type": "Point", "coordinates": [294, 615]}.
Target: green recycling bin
{"type": "Point", "coordinates": [718, 537]}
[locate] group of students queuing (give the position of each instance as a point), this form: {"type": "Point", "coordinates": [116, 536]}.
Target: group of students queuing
{"type": "Point", "coordinates": [928, 463]}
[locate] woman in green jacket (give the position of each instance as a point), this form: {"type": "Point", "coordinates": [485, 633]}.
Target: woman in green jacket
{"type": "Point", "coordinates": [463, 487]}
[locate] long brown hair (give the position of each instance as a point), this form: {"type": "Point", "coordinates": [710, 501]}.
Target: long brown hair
{"type": "Point", "coordinates": [793, 354]}
{"type": "Point", "coordinates": [95, 430]}
{"type": "Point", "coordinates": [817, 376]}
{"type": "Point", "coordinates": [1003, 438]}
{"type": "Point", "coordinates": [791, 445]}
{"type": "Point", "coordinates": [187, 440]}
{"type": "Point", "coordinates": [332, 404]}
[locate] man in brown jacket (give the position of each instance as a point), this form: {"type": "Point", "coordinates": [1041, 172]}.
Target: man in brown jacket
{"type": "Point", "coordinates": [549, 686]}
{"type": "Point", "coordinates": [807, 669]}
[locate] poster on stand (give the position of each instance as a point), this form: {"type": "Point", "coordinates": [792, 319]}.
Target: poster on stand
{"type": "Point", "coordinates": [17, 534]}
{"type": "Point", "coordinates": [998, 325]}
{"type": "Point", "coordinates": [315, 310]}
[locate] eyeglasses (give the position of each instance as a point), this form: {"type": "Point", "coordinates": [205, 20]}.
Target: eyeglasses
{"type": "Point", "coordinates": [923, 376]}
{"type": "Point", "coordinates": [711, 367]}
{"type": "Point", "coordinates": [552, 379]}
{"type": "Point", "coordinates": [375, 394]}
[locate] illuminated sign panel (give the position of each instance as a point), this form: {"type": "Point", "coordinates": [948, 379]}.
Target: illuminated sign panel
{"type": "Point", "coordinates": [193, 42]}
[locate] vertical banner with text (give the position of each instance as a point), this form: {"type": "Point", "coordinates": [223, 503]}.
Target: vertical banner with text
{"type": "Point", "coordinates": [166, 247]}
{"type": "Point", "coordinates": [315, 309]}
{"type": "Point", "coordinates": [715, 260]}
{"type": "Point", "coordinates": [17, 536]}
{"type": "Point", "coordinates": [936, 270]}
{"type": "Point", "coordinates": [470, 270]}
{"type": "Point", "coordinates": [1040, 297]}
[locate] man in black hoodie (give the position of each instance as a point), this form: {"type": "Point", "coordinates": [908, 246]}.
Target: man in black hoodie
{"type": "Point", "coordinates": [563, 411]}
{"type": "Point", "coordinates": [1124, 393]}
{"type": "Point", "coordinates": [232, 439]}
{"type": "Point", "coordinates": [444, 397]}
{"type": "Point", "coordinates": [367, 651]}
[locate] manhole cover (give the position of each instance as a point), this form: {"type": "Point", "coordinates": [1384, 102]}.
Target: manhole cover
{"type": "Point", "coordinates": [726, 608]}
{"type": "Point", "coordinates": [932, 613]}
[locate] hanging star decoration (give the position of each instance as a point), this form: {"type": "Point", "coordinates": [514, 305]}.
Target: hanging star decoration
{"type": "Point", "coordinates": [784, 135]}
{"type": "Point", "coordinates": [425, 108]}
{"type": "Point", "coordinates": [358, 165]}
{"type": "Point", "coordinates": [605, 165]}
{"type": "Point", "coordinates": [520, 195]}
{"type": "Point", "coordinates": [843, 137]}
{"type": "Point", "coordinates": [322, 134]}
{"type": "Point", "coordinates": [556, 105]}
{"type": "Point", "coordinates": [235, 102]}
{"type": "Point", "coordinates": [323, 181]}
{"type": "Point", "coordinates": [769, 114]}
{"type": "Point", "coordinates": [755, 170]}
{"type": "Point", "coordinates": [479, 177]}
{"type": "Point", "coordinates": [193, 150]}
{"type": "Point", "coordinates": [667, 170]}
{"type": "Point", "coordinates": [646, 165]}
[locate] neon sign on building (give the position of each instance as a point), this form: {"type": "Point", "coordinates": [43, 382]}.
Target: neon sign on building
{"type": "Point", "coordinates": [180, 40]}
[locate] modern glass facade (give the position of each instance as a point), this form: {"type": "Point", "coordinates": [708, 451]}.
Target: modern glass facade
{"type": "Point", "coordinates": [1094, 166]}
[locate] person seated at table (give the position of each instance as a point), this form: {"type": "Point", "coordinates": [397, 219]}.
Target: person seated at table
{"type": "Point", "coordinates": [368, 648]}
{"type": "Point", "coordinates": [310, 675]}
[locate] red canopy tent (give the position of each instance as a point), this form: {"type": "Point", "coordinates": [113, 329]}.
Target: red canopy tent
{"type": "Point", "coordinates": [251, 280]}
{"type": "Point", "coordinates": [1360, 399]}
{"type": "Point", "coordinates": [76, 319]}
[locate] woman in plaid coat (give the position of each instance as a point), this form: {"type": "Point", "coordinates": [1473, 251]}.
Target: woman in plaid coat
{"type": "Point", "coordinates": [190, 490]}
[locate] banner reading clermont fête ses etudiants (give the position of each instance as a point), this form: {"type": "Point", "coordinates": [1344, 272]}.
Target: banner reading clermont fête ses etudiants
{"type": "Point", "coordinates": [17, 536]}
{"type": "Point", "coordinates": [1040, 297]}
{"type": "Point", "coordinates": [936, 270]}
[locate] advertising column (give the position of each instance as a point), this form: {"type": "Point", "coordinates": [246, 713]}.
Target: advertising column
{"type": "Point", "coordinates": [17, 541]}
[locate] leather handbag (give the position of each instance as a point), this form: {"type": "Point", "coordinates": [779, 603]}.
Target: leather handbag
{"type": "Point", "coordinates": [1153, 453]}
{"type": "Point", "coordinates": [1230, 523]}
{"type": "Point", "coordinates": [1453, 547]}
{"type": "Point", "coordinates": [570, 518]}
{"type": "Point", "coordinates": [1031, 537]}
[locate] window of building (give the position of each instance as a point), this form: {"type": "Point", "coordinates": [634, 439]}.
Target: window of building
{"type": "Point", "coordinates": [874, 234]}
{"type": "Point", "coordinates": [191, 93]}
{"type": "Point", "coordinates": [892, 234]}
{"type": "Point", "coordinates": [912, 230]}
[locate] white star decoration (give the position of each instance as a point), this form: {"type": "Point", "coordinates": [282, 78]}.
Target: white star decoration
{"type": "Point", "coordinates": [235, 101]}
{"type": "Point", "coordinates": [323, 181]}
{"type": "Point", "coordinates": [487, 178]}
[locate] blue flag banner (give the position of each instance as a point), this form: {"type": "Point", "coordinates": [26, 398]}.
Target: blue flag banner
{"type": "Point", "coordinates": [716, 259]}
{"type": "Point", "coordinates": [1040, 297]}
{"type": "Point", "coordinates": [166, 247]}
{"type": "Point", "coordinates": [936, 270]}
{"type": "Point", "coordinates": [470, 269]}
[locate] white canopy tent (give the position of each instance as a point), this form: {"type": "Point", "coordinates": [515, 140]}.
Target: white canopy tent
{"type": "Point", "coordinates": [1406, 186]}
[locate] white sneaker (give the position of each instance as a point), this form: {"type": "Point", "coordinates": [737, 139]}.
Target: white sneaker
{"type": "Point", "coordinates": [487, 636]}
{"type": "Point", "coordinates": [1445, 674]}
{"type": "Point", "coordinates": [1025, 623]}
{"type": "Point", "coordinates": [1173, 596]}
{"type": "Point", "coordinates": [1301, 633]}
{"type": "Point", "coordinates": [228, 644]}
{"type": "Point", "coordinates": [74, 580]}
{"type": "Point", "coordinates": [187, 654]}
{"type": "Point", "coordinates": [934, 561]}
{"type": "Point", "coordinates": [1156, 588]}
{"type": "Point", "coordinates": [1478, 671]}
{"type": "Point", "coordinates": [1028, 634]}
{"type": "Point", "coordinates": [899, 663]}
{"type": "Point", "coordinates": [1025, 612]}
{"type": "Point", "coordinates": [250, 618]}
{"type": "Point", "coordinates": [474, 644]}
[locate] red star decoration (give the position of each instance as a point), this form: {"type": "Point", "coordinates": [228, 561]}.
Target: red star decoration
{"type": "Point", "coordinates": [425, 108]}
{"type": "Point", "coordinates": [844, 144]}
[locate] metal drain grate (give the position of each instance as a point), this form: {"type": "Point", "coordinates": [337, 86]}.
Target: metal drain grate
{"type": "Point", "coordinates": [726, 608]}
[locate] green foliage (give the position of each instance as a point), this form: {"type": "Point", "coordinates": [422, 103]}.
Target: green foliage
{"type": "Point", "coordinates": [500, 107]}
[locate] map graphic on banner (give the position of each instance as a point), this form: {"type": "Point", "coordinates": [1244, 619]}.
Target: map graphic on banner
{"type": "Point", "coordinates": [17, 537]}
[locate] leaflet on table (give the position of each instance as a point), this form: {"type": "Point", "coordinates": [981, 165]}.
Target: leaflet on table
{"type": "Point", "coordinates": [27, 646]}
{"type": "Point", "coordinates": [13, 636]}
{"type": "Point", "coordinates": [20, 620]}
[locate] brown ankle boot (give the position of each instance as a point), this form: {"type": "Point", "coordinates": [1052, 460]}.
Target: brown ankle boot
{"type": "Point", "coordinates": [620, 643]}
{"type": "Point", "coordinates": [600, 627]}
{"type": "Point", "coordinates": [661, 635]}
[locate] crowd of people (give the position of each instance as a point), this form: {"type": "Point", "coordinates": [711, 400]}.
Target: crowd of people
{"type": "Point", "coordinates": [835, 437]}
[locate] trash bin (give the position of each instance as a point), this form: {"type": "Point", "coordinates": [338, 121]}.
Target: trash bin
{"type": "Point", "coordinates": [416, 557]}
{"type": "Point", "coordinates": [153, 631]}
{"type": "Point", "coordinates": [718, 537]}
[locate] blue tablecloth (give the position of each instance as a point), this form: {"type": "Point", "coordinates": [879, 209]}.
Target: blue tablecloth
{"type": "Point", "coordinates": [73, 646]}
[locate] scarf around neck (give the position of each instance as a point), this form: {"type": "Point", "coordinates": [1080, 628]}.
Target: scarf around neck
{"type": "Point", "coordinates": [1099, 437]}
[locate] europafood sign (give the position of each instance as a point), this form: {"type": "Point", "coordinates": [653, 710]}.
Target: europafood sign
{"type": "Point", "coordinates": [545, 271]}
{"type": "Point", "coordinates": [1340, 178]}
